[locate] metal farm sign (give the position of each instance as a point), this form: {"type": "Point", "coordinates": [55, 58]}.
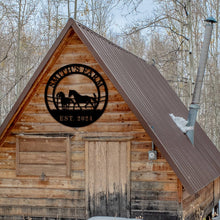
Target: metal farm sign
{"type": "Point", "coordinates": [65, 96]}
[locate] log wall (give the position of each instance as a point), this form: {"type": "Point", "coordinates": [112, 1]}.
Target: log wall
{"type": "Point", "coordinates": [200, 205]}
{"type": "Point", "coordinates": [154, 187]}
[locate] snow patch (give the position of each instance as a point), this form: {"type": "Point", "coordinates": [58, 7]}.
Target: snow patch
{"type": "Point", "coordinates": [109, 218]}
{"type": "Point", "coordinates": [181, 123]}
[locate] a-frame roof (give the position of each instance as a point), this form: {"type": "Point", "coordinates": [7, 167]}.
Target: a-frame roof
{"type": "Point", "coordinates": [152, 100]}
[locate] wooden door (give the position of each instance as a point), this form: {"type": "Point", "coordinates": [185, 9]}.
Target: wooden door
{"type": "Point", "coordinates": [108, 178]}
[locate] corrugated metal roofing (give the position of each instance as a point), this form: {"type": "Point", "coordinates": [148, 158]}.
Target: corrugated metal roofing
{"type": "Point", "coordinates": [152, 100]}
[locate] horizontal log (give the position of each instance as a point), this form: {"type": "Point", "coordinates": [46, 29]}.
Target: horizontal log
{"type": "Point", "coordinates": [199, 196]}
{"type": "Point", "coordinates": [7, 146]}
{"type": "Point", "coordinates": [107, 138]}
{"type": "Point", "coordinates": [64, 203]}
{"type": "Point", "coordinates": [78, 165]}
{"type": "Point", "coordinates": [154, 186]}
{"type": "Point", "coordinates": [156, 214]}
{"type": "Point", "coordinates": [142, 135]}
{"type": "Point", "coordinates": [154, 195]}
{"type": "Point", "coordinates": [154, 176]}
{"type": "Point", "coordinates": [53, 158]}
{"type": "Point", "coordinates": [7, 173]}
{"type": "Point", "coordinates": [78, 175]}
{"type": "Point", "coordinates": [77, 145]}
{"type": "Point", "coordinates": [56, 127]}
{"type": "Point", "coordinates": [36, 182]}
{"type": "Point", "coordinates": [37, 170]}
{"type": "Point", "coordinates": [94, 65]}
{"type": "Point", "coordinates": [143, 156]}
{"type": "Point", "coordinates": [76, 49]}
{"type": "Point", "coordinates": [33, 193]}
{"type": "Point", "coordinates": [10, 139]}
{"type": "Point", "coordinates": [141, 146]}
{"type": "Point", "coordinates": [78, 155]}
{"type": "Point", "coordinates": [56, 212]}
{"type": "Point", "coordinates": [113, 96]}
{"type": "Point", "coordinates": [42, 144]}
{"type": "Point", "coordinates": [154, 205]}
{"type": "Point", "coordinates": [35, 108]}
{"type": "Point", "coordinates": [84, 58]}
{"type": "Point", "coordinates": [7, 154]}
{"type": "Point", "coordinates": [159, 165]}
{"type": "Point", "coordinates": [7, 164]}
{"type": "Point", "coordinates": [107, 117]}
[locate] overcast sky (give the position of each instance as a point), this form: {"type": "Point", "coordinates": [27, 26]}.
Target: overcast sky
{"type": "Point", "coordinates": [121, 16]}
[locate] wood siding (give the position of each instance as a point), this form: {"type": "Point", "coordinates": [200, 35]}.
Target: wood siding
{"type": "Point", "coordinates": [202, 203]}
{"type": "Point", "coordinates": [153, 184]}
{"type": "Point", "coordinates": [108, 178]}
{"type": "Point", "coordinates": [37, 156]}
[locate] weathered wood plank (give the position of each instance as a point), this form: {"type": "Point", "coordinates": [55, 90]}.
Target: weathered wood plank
{"type": "Point", "coordinates": [156, 214]}
{"type": "Point", "coordinates": [7, 173]}
{"type": "Point", "coordinates": [7, 164]}
{"type": "Point", "coordinates": [78, 175]}
{"type": "Point", "coordinates": [52, 212]}
{"type": "Point", "coordinates": [141, 146]}
{"type": "Point", "coordinates": [158, 165]}
{"type": "Point", "coordinates": [35, 182]}
{"type": "Point", "coordinates": [64, 60]}
{"type": "Point", "coordinates": [217, 189]}
{"type": "Point", "coordinates": [155, 186]}
{"type": "Point", "coordinates": [106, 193]}
{"type": "Point", "coordinates": [153, 195]}
{"type": "Point", "coordinates": [154, 176]}
{"type": "Point", "coordinates": [98, 126]}
{"type": "Point", "coordinates": [33, 193]}
{"type": "Point", "coordinates": [42, 158]}
{"type": "Point", "coordinates": [113, 95]}
{"type": "Point", "coordinates": [78, 155]}
{"type": "Point", "coordinates": [7, 155]}
{"type": "Point", "coordinates": [107, 117]}
{"type": "Point", "coordinates": [118, 106]}
{"type": "Point", "coordinates": [143, 156]}
{"type": "Point", "coordinates": [48, 202]}
{"type": "Point", "coordinates": [42, 144]}
{"type": "Point", "coordinates": [37, 170]}
{"type": "Point", "coordinates": [203, 200]}
{"type": "Point", "coordinates": [154, 205]}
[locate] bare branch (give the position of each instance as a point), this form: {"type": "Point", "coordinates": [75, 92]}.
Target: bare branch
{"type": "Point", "coordinates": [6, 55]}
{"type": "Point", "coordinates": [148, 25]}
{"type": "Point", "coordinates": [184, 7]}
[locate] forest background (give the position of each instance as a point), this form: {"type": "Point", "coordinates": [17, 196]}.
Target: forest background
{"type": "Point", "coordinates": [170, 37]}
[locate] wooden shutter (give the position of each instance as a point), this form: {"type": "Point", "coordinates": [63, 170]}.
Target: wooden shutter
{"type": "Point", "coordinates": [42, 155]}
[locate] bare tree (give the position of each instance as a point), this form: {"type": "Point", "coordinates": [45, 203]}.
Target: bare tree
{"type": "Point", "coordinates": [177, 47]}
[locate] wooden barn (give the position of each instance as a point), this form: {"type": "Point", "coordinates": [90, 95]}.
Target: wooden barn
{"type": "Point", "coordinates": [91, 135]}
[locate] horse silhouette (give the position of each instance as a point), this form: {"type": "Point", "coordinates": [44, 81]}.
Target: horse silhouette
{"type": "Point", "coordinates": [85, 99]}
{"type": "Point", "coordinates": [65, 101]}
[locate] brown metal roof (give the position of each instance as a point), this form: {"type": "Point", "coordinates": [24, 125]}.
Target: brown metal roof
{"type": "Point", "coordinates": [152, 100]}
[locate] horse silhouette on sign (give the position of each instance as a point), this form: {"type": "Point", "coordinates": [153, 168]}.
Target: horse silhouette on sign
{"type": "Point", "coordinates": [65, 101]}
{"type": "Point", "coordinates": [83, 99]}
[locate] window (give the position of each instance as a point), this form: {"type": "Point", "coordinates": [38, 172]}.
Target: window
{"type": "Point", "coordinates": [47, 156]}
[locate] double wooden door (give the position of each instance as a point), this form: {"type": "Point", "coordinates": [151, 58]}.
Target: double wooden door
{"type": "Point", "coordinates": [108, 178]}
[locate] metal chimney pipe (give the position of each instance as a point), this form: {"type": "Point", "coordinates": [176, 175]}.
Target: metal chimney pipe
{"type": "Point", "coordinates": [194, 107]}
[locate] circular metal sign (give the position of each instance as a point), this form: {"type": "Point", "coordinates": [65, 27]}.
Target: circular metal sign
{"type": "Point", "coordinates": [76, 95]}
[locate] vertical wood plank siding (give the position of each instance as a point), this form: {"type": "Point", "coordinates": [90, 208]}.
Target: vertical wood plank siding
{"type": "Point", "coordinates": [153, 184]}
